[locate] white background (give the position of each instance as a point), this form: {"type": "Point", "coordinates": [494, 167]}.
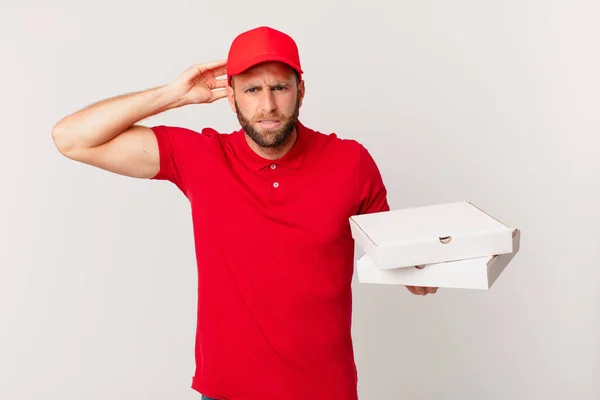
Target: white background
{"type": "Point", "coordinates": [492, 102]}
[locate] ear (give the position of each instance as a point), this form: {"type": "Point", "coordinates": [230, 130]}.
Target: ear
{"type": "Point", "coordinates": [301, 90]}
{"type": "Point", "coordinates": [231, 98]}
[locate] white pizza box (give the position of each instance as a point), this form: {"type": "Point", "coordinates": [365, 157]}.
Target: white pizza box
{"type": "Point", "coordinates": [474, 273]}
{"type": "Point", "coordinates": [430, 234]}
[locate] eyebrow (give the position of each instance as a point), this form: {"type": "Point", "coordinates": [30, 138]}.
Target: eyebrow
{"type": "Point", "coordinates": [276, 84]}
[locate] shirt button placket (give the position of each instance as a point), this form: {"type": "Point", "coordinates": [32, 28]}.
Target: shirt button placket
{"type": "Point", "coordinates": [275, 179]}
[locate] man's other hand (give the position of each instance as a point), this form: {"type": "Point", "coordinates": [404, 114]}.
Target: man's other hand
{"type": "Point", "coordinates": [421, 290]}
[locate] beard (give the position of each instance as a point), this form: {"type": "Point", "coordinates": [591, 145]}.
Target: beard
{"type": "Point", "coordinates": [270, 138]}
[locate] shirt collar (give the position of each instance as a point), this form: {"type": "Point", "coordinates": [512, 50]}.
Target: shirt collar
{"type": "Point", "coordinates": [292, 159]}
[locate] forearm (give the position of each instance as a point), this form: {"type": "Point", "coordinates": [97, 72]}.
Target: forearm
{"type": "Point", "coordinates": [102, 121]}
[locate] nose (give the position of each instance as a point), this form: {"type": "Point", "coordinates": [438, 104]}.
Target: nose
{"type": "Point", "coordinates": [268, 102]}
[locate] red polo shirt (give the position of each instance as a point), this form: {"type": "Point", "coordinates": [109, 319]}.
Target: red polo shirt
{"type": "Point", "coordinates": [275, 259]}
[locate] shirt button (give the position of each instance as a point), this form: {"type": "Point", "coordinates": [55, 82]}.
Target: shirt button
{"type": "Point", "coordinates": [275, 184]}
{"type": "Point", "coordinates": [273, 166]}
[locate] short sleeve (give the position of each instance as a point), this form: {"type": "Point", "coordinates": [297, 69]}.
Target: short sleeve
{"type": "Point", "coordinates": [372, 191]}
{"type": "Point", "coordinates": [178, 150]}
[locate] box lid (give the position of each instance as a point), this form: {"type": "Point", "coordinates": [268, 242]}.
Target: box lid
{"type": "Point", "coordinates": [438, 233]}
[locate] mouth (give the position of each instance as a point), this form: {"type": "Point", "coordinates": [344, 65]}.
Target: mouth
{"type": "Point", "coordinates": [269, 123]}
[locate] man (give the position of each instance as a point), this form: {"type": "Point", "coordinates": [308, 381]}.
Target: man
{"type": "Point", "coordinates": [270, 206]}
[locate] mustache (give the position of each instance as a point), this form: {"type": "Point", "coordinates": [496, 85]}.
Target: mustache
{"type": "Point", "coordinates": [270, 116]}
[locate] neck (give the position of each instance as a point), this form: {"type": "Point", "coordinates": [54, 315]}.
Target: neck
{"type": "Point", "coordinates": [273, 153]}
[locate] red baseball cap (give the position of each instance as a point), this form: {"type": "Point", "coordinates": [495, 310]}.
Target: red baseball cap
{"type": "Point", "coordinates": [259, 45]}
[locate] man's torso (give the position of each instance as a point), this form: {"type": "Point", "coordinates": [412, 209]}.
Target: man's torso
{"type": "Point", "coordinates": [275, 262]}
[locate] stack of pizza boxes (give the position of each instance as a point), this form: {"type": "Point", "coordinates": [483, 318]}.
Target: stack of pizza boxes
{"type": "Point", "coordinates": [452, 245]}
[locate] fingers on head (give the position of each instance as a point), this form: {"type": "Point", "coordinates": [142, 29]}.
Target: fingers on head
{"type": "Point", "coordinates": [218, 94]}
{"type": "Point", "coordinates": [221, 83]}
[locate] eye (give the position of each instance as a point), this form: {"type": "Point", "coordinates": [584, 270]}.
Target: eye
{"type": "Point", "coordinates": [251, 90]}
{"type": "Point", "coordinates": [279, 88]}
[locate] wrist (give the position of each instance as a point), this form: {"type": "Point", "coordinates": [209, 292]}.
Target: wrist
{"type": "Point", "coordinates": [171, 96]}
